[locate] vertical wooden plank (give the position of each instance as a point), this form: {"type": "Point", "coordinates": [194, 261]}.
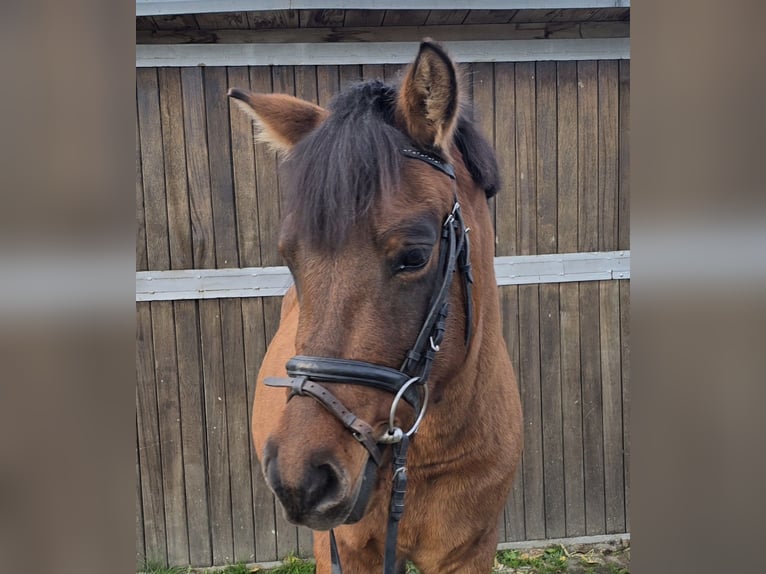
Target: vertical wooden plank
{"type": "Point", "coordinates": [567, 157]}
{"type": "Point", "coordinates": [349, 74]}
{"type": "Point", "coordinates": [550, 350]}
{"type": "Point", "coordinates": [216, 430]}
{"type": "Point", "coordinates": [529, 310]}
{"type": "Point", "coordinates": [201, 490]}
{"type": "Point", "coordinates": [179, 226]}
{"type": "Point", "coordinates": [547, 157]}
{"type": "Point", "coordinates": [553, 439]}
{"type": "Point", "coordinates": [193, 431]}
{"type": "Point", "coordinates": [529, 376]}
{"type": "Point", "coordinates": [163, 317]}
{"type": "Point", "coordinates": [608, 153]}
{"type": "Point", "coordinates": [569, 293]}
{"type": "Point", "coordinates": [263, 501]}
{"type": "Point", "coordinates": [202, 212]}
{"type": "Point", "coordinates": [611, 392]}
{"type": "Point", "coordinates": [587, 151]}
{"type": "Point", "coordinates": [328, 84]}
{"type": "Point", "coordinates": [590, 360]}
{"type": "Point", "coordinates": [153, 171]}
{"type": "Point", "coordinates": [505, 147]}
{"type": "Point", "coordinates": [571, 400]}
{"type": "Point", "coordinates": [237, 400]}
{"type": "Point", "coordinates": [484, 108]}
{"type": "Point", "coordinates": [141, 263]}
{"type": "Point", "coordinates": [623, 200]}
{"type": "Point", "coordinates": [243, 167]}
{"type": "Point", "coordinates": [590, 365]}
{"type": "Point", "coordinates": [514, 506]}
{"type": "Point", "coordinates": [157, 257]}
{"type": "Point", "coordinates": [505, 231]}
{"type": "Point", "coordinates": [198, 170]}
{"type": "Point", "coordinates": [149, 439]}
{"type": "Point", "coordinates": [372, 72]}
{"type": "Point", "coordinates": [526, 173]}
{"type": "Point", "coordinates": [283, 79]}
{"type": "Point", "coordinates": [306, 83]}
{"type": "Point", "coordinates": [219, 153]}
{"type": "Point", "coordinates": [266, 182]}
{"type": "Point", "coordinates": [233, 411]}
{"type": "Point", "coordinates": [140, 547]}
{"type": "Point", "coordinates": [625, 363]}
{"type": "Point", "coordinates": [238, 427]}
{"type": "Point", "coordinates": [168, 409]}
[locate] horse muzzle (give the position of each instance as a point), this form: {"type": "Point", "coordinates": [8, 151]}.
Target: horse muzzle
{"type": "Point", "coordinates": [321, 495]}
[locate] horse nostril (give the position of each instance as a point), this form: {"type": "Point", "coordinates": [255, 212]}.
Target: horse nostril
{"type": "Point", "coordinates": [322, 485]}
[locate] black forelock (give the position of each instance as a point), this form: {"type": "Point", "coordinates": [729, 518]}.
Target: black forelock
{"type": "Point", "coordinates": [339, 171]}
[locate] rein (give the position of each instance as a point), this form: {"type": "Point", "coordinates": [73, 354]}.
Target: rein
{"type": "Point", "coordinates": [306, 374]}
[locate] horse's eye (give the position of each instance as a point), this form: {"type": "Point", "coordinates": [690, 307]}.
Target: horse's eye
{"type": "Point", "coordinates": [413, 259]}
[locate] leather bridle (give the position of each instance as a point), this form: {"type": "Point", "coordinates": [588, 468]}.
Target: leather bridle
{"type": "Point", "coordinates": [307, 376]}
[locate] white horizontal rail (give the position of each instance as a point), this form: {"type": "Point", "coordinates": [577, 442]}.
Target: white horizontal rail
{"type": "Point", "coordinates": [164, 7]}
{"type": "Point", "coordinates": [274, 281]}
{"type": "Point", "coordinates": [340, 53]}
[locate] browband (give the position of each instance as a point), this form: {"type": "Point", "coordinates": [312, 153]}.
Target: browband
{"type": "Point", "coordinates": [434, 161]}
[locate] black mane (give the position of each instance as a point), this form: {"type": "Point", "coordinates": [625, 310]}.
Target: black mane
{"type": "Point", "coordinates": [337, 172]}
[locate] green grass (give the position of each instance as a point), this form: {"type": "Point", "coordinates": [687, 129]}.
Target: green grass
{"type": "Point", "coordinates": [236, 569]}
{"type": "Point", "coordinates": [293, 565]}
{"type": "Point", "coordinates": [152, 567]}
{"type": "Point", "coordinates": [551, 561]}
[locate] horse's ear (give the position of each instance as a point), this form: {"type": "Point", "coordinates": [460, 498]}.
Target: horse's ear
{"type": "Point", "coordinates": [428, 99]}
{"type": "Point", "coordinates": [282, 120]}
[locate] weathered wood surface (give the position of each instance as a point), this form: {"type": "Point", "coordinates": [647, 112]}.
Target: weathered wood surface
{"type": "Point", "coordinates": [446, 34]}
{"type": "Point", "coordinates": [208, 196]}
{"type": "Point", "coordinates": [269, 19]}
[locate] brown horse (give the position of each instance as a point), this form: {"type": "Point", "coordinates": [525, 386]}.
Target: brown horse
{"type": "Point", "coordinates": [382, 191]}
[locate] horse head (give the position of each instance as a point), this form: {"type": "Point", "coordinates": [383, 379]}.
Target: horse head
{"type": "Point", "coordinates": [370, 188]}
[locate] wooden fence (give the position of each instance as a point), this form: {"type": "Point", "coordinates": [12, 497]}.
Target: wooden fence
{"type": "Point", "coordinates": [208, 197]}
